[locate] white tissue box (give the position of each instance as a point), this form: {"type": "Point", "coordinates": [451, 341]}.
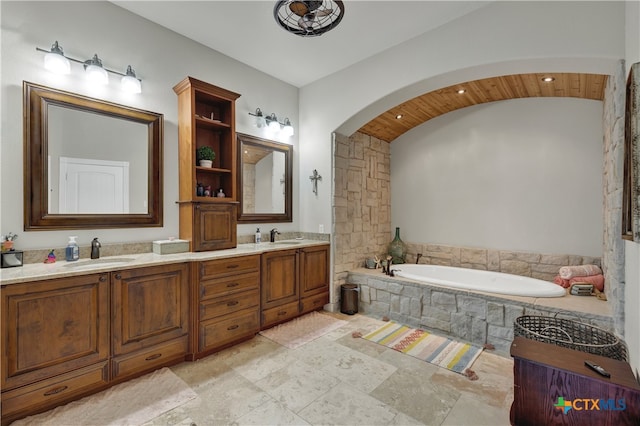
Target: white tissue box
{"type": "Point", "coordinates": [170, 246]}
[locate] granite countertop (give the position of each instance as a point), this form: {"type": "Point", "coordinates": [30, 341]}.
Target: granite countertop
{"type": "Point", "coordinates": [62, 268]}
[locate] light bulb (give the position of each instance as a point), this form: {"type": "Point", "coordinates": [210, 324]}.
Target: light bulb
{"type": "Point", "coordinates": [56, 62]}
{"type": "Point", "coordinates": [130, 83]}
{"type": "Point", "coordinates": [94, 71]}
{"type": "Point", "coordinates": [274, 126]}
{"type": "Point", "coordinates": [260, 121]}
{"type": "Point", "coordinates": [287, 130]}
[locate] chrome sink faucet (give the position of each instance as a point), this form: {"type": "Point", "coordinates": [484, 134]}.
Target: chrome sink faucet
{"type": "Point", "coordinates": [272, 235]}
{"type": "Point", "coordinates": [95, 248]}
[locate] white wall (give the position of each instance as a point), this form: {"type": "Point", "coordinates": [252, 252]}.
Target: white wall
{"type": "Point", "coordinates": [632, 250]}
{"type": "Point", "coordinates": [492, 41]}
{"type": "Point", "coordinates": [160, 57]}
{"type": "Point", "coordinates": [514, 175]}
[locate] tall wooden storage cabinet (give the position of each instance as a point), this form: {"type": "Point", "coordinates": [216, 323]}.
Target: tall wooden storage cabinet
{"type": "Point", "coordinates": [206, 117]}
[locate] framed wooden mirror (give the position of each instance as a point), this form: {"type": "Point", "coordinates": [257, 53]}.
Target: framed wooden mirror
{"type": "Point", "coordinates": [264, 180]}
{"type": "Point", "coordinates": [89, 163]}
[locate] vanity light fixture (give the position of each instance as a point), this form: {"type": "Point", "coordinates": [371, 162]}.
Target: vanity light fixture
{"type": "Point", "coordinates": [285, 128]}
{"type": "Point", "coordinates": [57, 62]}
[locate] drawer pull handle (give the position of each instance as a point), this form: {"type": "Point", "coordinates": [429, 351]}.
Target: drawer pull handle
{"type": "Point", "coordinates": [233, 327]}
{"type": "Point", "coordinates": [232, 285]}
{"type": "Point", "coordinates": [152, 357]}
{"type": "Point", "coordinates": [118, 276]}
{"type": "Point", "coordinates": [232, 303]}
{"type": "Point", "coordinates": [102, 278]}
{"type": "Point", "coordinates": [282, 313]}
{"type": "Point", "coordinates": [234, 266]}
{"type": "Point", "coordinates": [56, 390]}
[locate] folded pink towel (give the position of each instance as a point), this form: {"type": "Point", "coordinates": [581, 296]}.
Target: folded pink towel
{"type": "Point", "coordinates": [561, 281]}
{"type": "Point", "coordinates": [568, 272]}
{"type": "Point", "coordinates": [596, 280]}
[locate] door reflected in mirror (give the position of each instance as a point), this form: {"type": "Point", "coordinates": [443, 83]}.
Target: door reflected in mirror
{"type": "Point", "coordinates": [97, 164]}
{"type": "Point", "coordinates": [264, 177]}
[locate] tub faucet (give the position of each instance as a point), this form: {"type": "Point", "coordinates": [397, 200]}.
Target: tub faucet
{"type": "Point", "coordinates": [389, 262]}
{"type": "Point", "coordinates": [273, 234]}
{"type": "Point", "coordinates": [418, 256]}
{"type": "Point", "coordinates": [95, 249]}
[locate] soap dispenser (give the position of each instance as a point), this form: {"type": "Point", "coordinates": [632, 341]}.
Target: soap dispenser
{"type": "Point", "coordinates": [72, 252]}
{"type": "Point", "coordinates": [258, 236]}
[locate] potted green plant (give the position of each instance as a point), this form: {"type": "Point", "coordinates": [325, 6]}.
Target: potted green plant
{"type": "Point", "coordinates": [205, 156]}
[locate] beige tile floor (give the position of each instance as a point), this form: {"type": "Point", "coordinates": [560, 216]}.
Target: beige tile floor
{"type": "Point", "coordinates": [339, 380]}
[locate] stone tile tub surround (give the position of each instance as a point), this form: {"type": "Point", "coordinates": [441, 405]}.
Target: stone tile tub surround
{"type": "Point", "coordinates": [475, 317]}
{"type": "Point", "coordinates": [528, 264]}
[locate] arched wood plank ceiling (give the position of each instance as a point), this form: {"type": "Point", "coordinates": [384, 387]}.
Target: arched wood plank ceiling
{"type": "Point", "coordinates": [416, 111]}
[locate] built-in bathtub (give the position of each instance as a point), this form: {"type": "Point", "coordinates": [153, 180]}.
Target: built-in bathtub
{"type": "Point", "coordinates": [479, 280]}
{"type": "Point", "coordinates": [475, 316]}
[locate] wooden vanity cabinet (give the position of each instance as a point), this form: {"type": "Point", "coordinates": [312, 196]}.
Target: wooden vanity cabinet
{"type": "Point", "coordinates": [150, 320]}
{"type": "Point", "coordinates": [228, 302]}
{"type": "Point", "coordinates": [314, 278]}
{"type": "Point", "coordinates": [206, 117]}
{"type": "Point", "coordinates": [69, 337]}
{"type": "Point", "coordinates": [56, 342]}
{"type": "Point", "coordinates": [294, 282]}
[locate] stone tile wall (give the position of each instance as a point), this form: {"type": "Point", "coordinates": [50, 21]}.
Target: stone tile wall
{"type": "Point", "coordinates": [361, 203]}
{"type": "Point", "coordinates": [472, 317]}
{"type": "Point", "coordinates": [613, 169]}
{"type": "Point", "coordinates": [528, 264]}
{"type": "Point", "coordinates": [249, 188]}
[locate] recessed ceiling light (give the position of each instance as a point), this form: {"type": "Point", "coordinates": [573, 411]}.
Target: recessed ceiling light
{"type": "Point", "coordinates": [461, 91]}
{"type": "Point", "coordinates": [399, 116]}
{"type": "Point", "coordinates": [548, 79]}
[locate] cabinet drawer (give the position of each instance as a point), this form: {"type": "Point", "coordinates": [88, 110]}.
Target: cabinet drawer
{"type": "Point", "coordinates": [279, 314]}
{"type": "Point", "coordinates": [216, 333]}
{"type": "Point", "coordinates": [48, 393]}
{"type": "Point", "coordinates": [235, 265]}
{"type": "Point", "coordinates": [312, 303]}
{"type": "Point", "coordinates": [229, 304]}
{"type": "Point", "coordinates": [161, 354]}
{"type": "Point", "coordinates": [229, 285]}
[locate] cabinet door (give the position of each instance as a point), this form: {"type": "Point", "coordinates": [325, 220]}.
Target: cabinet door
{"type": "Point", "coordinates": [214, 226]}
{"type": "Point", "coordinates": [52, 327]}
{"type": "Point", "coordinates": [314, 270]}
{"type": "Point", "coordinates": [279, 278]}
{"type": "Point", "coordinates": [150, 306]}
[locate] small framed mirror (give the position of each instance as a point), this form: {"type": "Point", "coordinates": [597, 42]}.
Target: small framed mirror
{"type": "Point", "coordinates": [264, 180]}
{"type": "Point", "coordinates": [89, 163]}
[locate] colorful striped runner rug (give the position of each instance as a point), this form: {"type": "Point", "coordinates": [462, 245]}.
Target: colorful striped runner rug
{"type": "Point", "coordinates": [421, 344]}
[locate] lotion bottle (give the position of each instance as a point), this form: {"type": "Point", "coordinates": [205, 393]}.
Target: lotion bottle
{"type": "Point", "coordinates": [72, 252]}
{"type": "Point", "coordinates": [258, 236]}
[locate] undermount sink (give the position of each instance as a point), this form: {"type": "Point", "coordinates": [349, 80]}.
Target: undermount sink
{"type": "Point", "coordinates": [287, 242]}
{"type": "Point", "coordinates": [92, 263]}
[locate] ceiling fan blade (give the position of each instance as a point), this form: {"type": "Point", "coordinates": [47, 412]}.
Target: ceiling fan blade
{"type": "Point", "coordinates": [324, 12]}
{"type": "Point", "coordinates": [300, 8]}
{"type": "Point", "coordinates": [306, 22]}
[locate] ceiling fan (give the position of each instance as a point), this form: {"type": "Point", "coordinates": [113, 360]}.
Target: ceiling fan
{"type": "Point", "coordinates": [308, 18]}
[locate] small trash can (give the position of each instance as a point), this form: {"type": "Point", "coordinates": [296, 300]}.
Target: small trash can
{"type": "Point", "coordinates": [349, 299]}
